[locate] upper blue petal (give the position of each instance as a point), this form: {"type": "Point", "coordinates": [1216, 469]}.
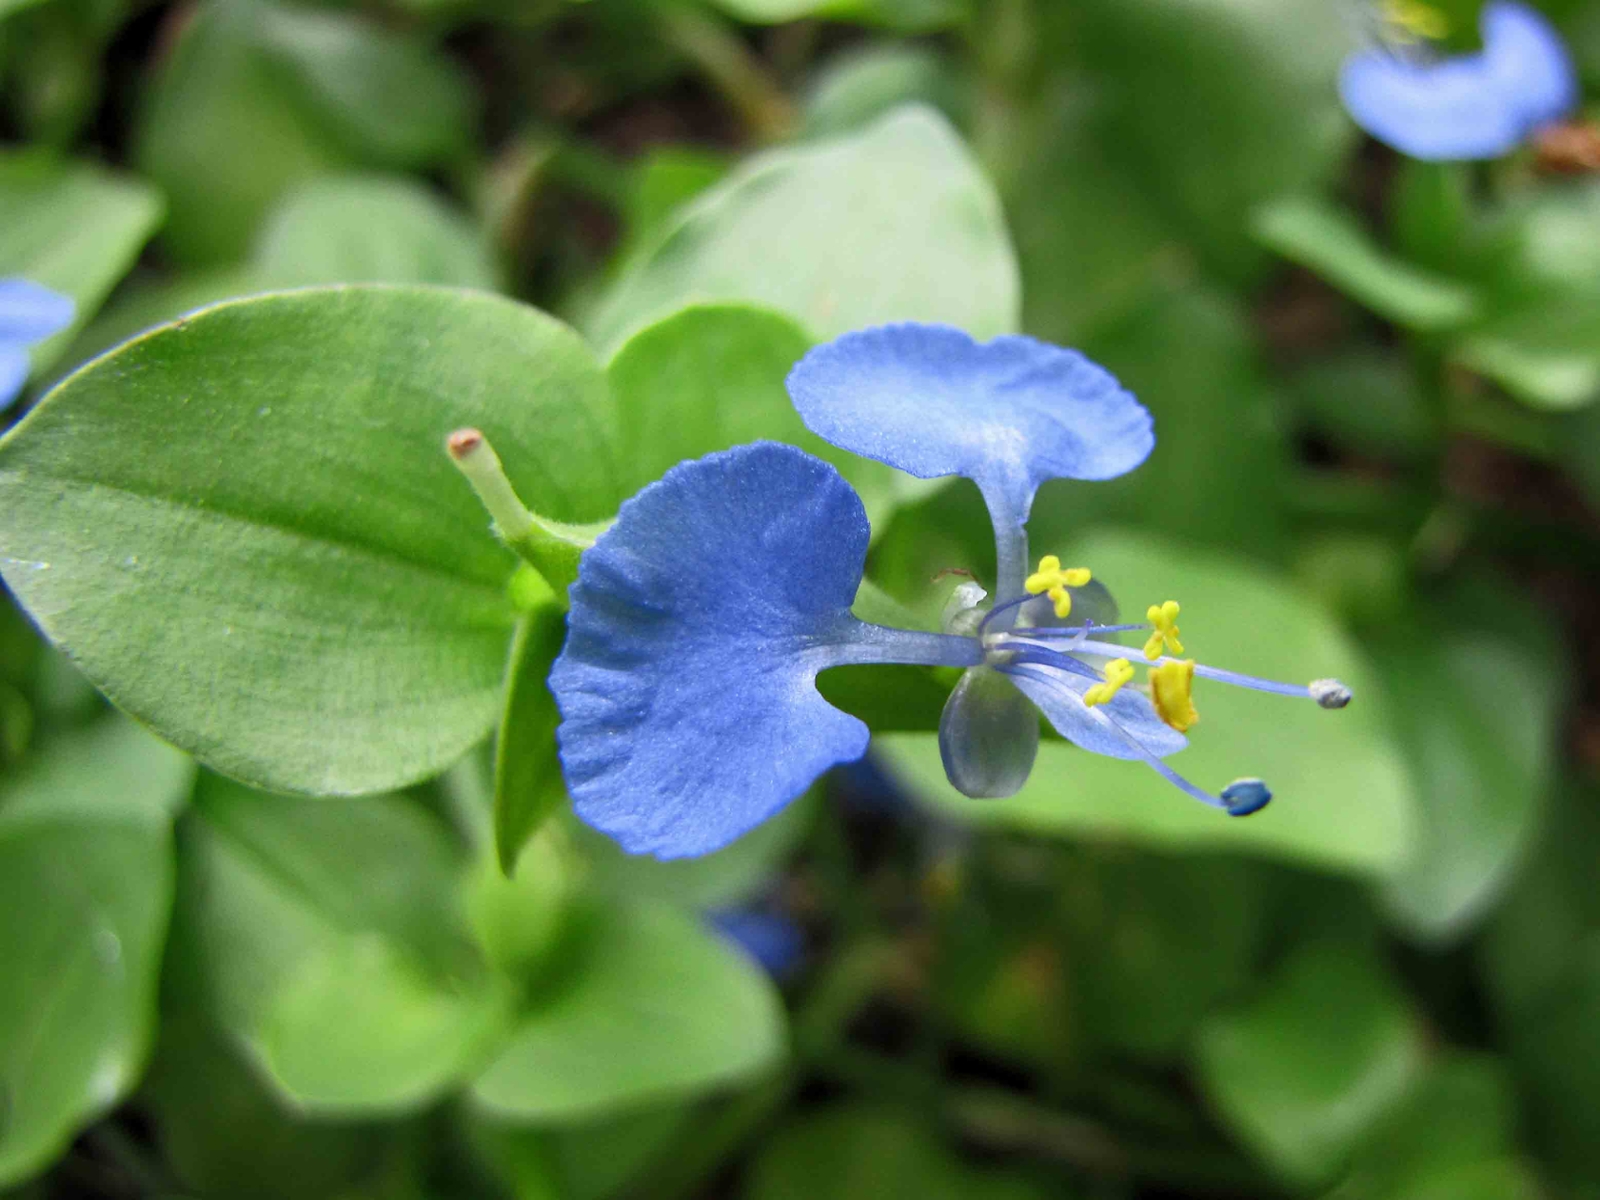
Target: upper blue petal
{"type": "Point", "coordinates": [1059, 696]}
{"type": "Point", "coordinates": [699, 622]}
{"type": "Point", "coordinates": [14, 368]}
{"type": "Point", "coordinates": [31, 312]}
{"type": "Point", "coordinates": [1009, 414]}
{"type": "Point", "coordinates": [1470, 107]}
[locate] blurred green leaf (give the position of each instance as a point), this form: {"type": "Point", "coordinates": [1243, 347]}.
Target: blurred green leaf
{"type": "Point", "coordinates": [1477, 716]}
{"type": "Point", "coordinates": [372, 229]}
{"type": "Point", "coordinates": [1343, 798]}
{"type": "Point", "coordinates": [328, 939]}
{"type": "Point", "coordinates": [657, 1007]}
{"type": "Point", "coordinates": [73, 227]}
{"type": "Point", "coordinates": [1329, 241]}
{"type": "Point", "coordinates": [892, 223]}
{"type": "Point", "coordinates": [261, 492]}
{"type": "Point", "coordinates": [85, 890]}
{"type": "Point", "coordinates": [1214, 106]}
{"type": "Point", "coordinates": [257, 97]}
{"type": "Point", "coordinates": [528, 784]}
{"type": "Point", "coordinates": [1367, 401]}
{"type": "Point", "coordinates": [857, 86]}
{"type": "Point", "coordinates": [856, 1151]}
{"type": "Point", "coordinates": [908, 15]}
{"type": "Point", "coordinates": [1309, 1066]}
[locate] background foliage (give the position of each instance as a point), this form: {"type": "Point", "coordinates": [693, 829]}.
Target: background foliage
{"type": "Point", "coordinates": [307, 976]}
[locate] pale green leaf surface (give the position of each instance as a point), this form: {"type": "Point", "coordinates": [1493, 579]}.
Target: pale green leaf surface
{"type": "Point", "coordinates": [528, 783]}
{"type": "Point", "coordinates": [327, 938]}
{"type": "Point", "coordinates": [73, 227]}
{"type": "Point", "coordinates": [1342, 797]}
{"type": "Point", "coordinates": [1310, 1065]}
{"type": "Point", "coordinates": [85, 890]}
{"type": "Point", "coordinates": [370, 229]}
{"type": "Point", "coordinates": [243, 526]}
{"type": "Point", "coordinates": [895, 222]}
{"type": "Point", "coordinates": [658, 1007]}
{"type": "Point", "coordinates": [1328, 241]}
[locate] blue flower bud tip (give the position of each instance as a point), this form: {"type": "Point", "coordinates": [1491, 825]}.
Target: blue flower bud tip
{"type": "Point", "coordinates": [1245, 797]}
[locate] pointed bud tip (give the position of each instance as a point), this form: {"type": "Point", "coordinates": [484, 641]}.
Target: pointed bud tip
{"type": "Point", "coordinates": [463, 442]}
{"type": "Point", "coordinates": [1330, 693]}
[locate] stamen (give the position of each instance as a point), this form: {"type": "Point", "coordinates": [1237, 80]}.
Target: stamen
{"type": "Point", "coordinates": [1329, 693]}
{"type": "Point", "coordinates": [1164, 619]}
{"type": "Point", "coordinates": [1170, 691]}
{"type": "Point", "coordinates": [1239, 799]}
{"type": "Point", "coordinates": [1052, 581]}
{"type": "Point", "coordinates": [1021, 651]}
{"type": "Point", "coordinates": [1118, 672]}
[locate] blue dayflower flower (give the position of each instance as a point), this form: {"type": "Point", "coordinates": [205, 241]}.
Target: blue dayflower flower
{"type": "Point", "coordinates": [29, 313]}
{"type": "Point", "coordinates": [1471, 106]}
{"type": "Point", "coordinates": [700, 621]}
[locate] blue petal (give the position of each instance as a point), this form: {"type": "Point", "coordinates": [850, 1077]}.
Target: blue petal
{"type": "Point", "coordinates": [14, 370]}
{"type": "Point", "coordinates": [1528, 64]}
{"type": "Point", "coordinates": [1010, 413]}
{"type": "Point", "coordinates": [698, 625]}
{"type": "Point", "coordinates": [773, 941]}
{"type": "Point", "coordinates": [31, 312]}
{"type": "Point", "coordinates": [1060, 697]}
{"type": "Point", "coordinates": [1471, 107]}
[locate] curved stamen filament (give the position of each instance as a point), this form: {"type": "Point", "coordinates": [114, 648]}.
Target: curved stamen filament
{"type": "Point", "coordinates": [1326, 692]}
{"type": "Point", "coordinates": [1252, 795]}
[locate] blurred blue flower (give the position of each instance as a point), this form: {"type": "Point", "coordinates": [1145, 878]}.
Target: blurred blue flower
{"type": "Point", "coordinates": [700, 620]}
{"type": "Point", "coordinates": [29, 313]}
{"type": "Point", "coordinates": [773, 940]}
{"type": "Point", "coordinates": [1471, 106]}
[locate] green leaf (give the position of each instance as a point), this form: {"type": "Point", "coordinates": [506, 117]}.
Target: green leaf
{"type": "Point", "coordinates": [658, 1007]}
{"type": "Point", "coordinates": [907, 15]}
{"type": "Point", "coordinates": [1477, 716]}
{"type": "Point", "coordinates": [1545, 355]}
{"type": "Point", "coordinates": [85, 890]}
{"type": "Point", "coordinates": [328, 938]}
{"type": "Point", "coordinates": [1330, 242]}
{"type": "Point", "coordinates": [244, 528]}
{"type": "Point", "coordinates": [858, 86]}
{"type": "Point", "coordinates": [854, 1151]}
{"type": "Point", "coordinates": [1309, 1066]}
{"type": "Point", "coordinates": [1343, 799]}
{"type": "Point", "coordinates": [528, 784]}
{"type": "Point", "coordinates": [711, 377]}
{"type": "Point", "coordinates": [893, 223]}
{"type": "Point", "coordinates": [73, 227]}
{"type": "Point", "coordinates": [1392, 417]}
{"type": "Point", "coordinates": [370, 229]}
{"type": "Point", "coordinates": [256, 97]}
{"type": "Point", "coordinates": [1216, 106]}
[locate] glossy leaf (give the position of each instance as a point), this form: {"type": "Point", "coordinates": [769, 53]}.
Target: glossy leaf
{"type": "Point", "coordinates": [85, 891]}
{"type": "Point", "coordinates": [328, 939]}
{"type": "Point", "coordinates": [245, 530]}
{"type": "Point", "coordinates": [1331, 243]}
{"type": "Point", "coordinates": [1309, 1066]}
{"type": "Point", "coordinates": [1343, 798]}
{"type": "Point", "coordinates": [892, 223]}
{"type": "Point", "coordinates": [73, 227]}
{"type": "Point", "coordinates": [658, 1007]}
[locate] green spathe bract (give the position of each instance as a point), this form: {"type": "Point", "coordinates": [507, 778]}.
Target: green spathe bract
{"type": "Point", "coordinates": [244, 529]}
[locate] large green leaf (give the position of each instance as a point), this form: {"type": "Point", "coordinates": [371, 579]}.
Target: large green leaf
{"type": "Point", "coordinates": [73, 227]}
{"type": "Point", "coordinates": [85, 889]}
{"type": "Point", "coordinates": [1305, 1069]}
{"type": "Point", "coordinates": [659, 1006]}
{"type": "Point", "coordinates": [244, 527]}
{"type": "Point", "coordinates": [892, 223]}
{"type": "Point", "coordinates": [328, 940]}
{"type": "Point", "coordinates": [1343, 796]}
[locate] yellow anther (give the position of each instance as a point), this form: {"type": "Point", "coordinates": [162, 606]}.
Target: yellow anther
{"type": "Point", "coordinates": [1164, 619]}
{"type": "Point", "coordinates": [1414, 20]}
{"type": "Point", "coordinates": [1170, 685]}
{"type": "Point", "coordinates": [1052, 581]}
{"type": "Point", "coordinates": [1118, 672]}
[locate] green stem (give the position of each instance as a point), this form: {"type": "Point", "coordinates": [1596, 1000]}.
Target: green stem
{"type": "Point", "coordinates": [726, 61]}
